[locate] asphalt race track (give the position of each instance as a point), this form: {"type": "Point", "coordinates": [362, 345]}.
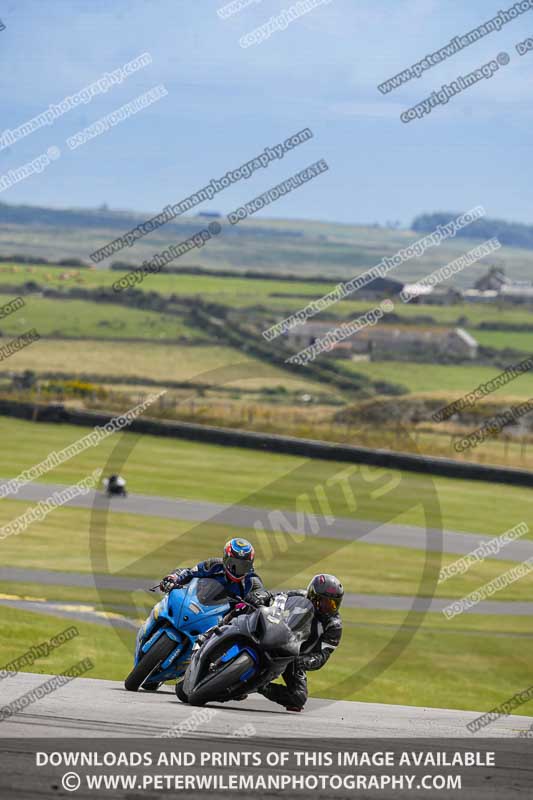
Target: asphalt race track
{"type": "Point", "coordinates": [93, 708]}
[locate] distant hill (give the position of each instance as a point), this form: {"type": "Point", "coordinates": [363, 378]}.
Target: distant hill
{"type": "Point", "coordinates": [512, 234]}
{"type": "Point", "coordinates": [105, 219]}
{"type": "Point", "coordinates": [265, 246]}
{"type": "Point", "coordinates": [64, 218]}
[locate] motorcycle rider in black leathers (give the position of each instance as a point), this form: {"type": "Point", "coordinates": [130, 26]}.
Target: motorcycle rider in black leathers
{"type": "Point", "coordinates": [325, 593]}
{"type": "Point", "coordinates": [115, 484]}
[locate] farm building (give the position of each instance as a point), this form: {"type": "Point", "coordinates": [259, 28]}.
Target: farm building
{"type": "Point", "coordinates": [518, 292]}
{"type": "Point", "coordinates": [395, 342]}
{"type": "Point", "coordinates": [432, 295]}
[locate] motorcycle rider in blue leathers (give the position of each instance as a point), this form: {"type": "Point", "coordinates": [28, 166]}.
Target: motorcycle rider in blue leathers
{"type": "Point", "coordinates": [234, 571]}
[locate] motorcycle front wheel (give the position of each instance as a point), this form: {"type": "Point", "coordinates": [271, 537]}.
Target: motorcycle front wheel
{"type": "Point", "coordinates": [180, 694]}
{"type": "Point", "coordinates": [216, 685]}
{"type": "Point", "coordinates": [149, 663]}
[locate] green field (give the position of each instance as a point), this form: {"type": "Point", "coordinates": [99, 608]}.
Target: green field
{"type": "Point", "coordinates": [209, 364]}
{"type": "Point", "coordinates": [97, 323]}
{"type": "Point", "coordinates": [466, 667]}
{"type": "Point", "coordinates": [22, 629]}
{"type": "Point", "coordinates": [440, 377]}
{"type": "Point", "coordinates": [234, 291]}
{"type": "Point", "coordinates": [99, 599]}
{"type": "Point", "coordinates": [177, 468]}
{"type": "Point", "coordinates": [276, 295]}
{"type": "Point", "coordinates": [149, 547]}
{"type": "Point", "coordinates": [83, 319]}
{"type": "Point", "coordinates": [506, 339]}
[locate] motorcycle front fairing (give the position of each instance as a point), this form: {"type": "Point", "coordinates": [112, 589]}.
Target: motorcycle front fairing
{"type": "Point", "coordinates": [182, 615]}
{"type": "Point", "coordinates": [239, 629]}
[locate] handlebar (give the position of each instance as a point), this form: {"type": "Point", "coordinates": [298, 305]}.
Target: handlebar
{"type": "Point", "coordinates": [157, 586]}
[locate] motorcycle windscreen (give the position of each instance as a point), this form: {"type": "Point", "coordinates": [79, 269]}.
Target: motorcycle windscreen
{"type": "Point", "coordinates": [282, 629]}
{"type": "Point", "coordinates": [210, 592]}
{"type": "Point", "coordinates": [272, 631]}
{"type": "Point", "coordinates": [298, 615]}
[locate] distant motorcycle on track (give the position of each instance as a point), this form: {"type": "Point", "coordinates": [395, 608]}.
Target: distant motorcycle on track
{"type": "Point", "coordinates": [115, 486]}
{"type": "Point", "coordinates": [166, 639]}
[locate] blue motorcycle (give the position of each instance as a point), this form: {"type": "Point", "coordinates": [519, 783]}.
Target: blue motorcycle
{"type": "Point", "coordinates": [165, 641]}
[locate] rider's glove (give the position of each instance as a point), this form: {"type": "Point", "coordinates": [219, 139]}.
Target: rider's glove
{"type": "Point", "coordinates": [308, 662]}
{"type": "Point", "coordinates": [199, 642]}
{"type": "Point", "coordinates": [203, 637]}
{"type": "Point", "coordinates": [177, 578]}
{"type": "Point", "coordinates": [168, 583]}
{"type": "Point", "coordinates": [259, 597]}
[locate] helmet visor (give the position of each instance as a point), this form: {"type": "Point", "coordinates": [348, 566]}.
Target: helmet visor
{"type": "Point", "coordinates": [328, 605]}
{"type": "Point", "coordinates": [238, 567]}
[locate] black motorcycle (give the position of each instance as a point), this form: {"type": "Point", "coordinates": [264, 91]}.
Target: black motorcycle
{"type": "Point", "coordinates": [247, 653]}
{"type": "Point", "coordinates": [115, 486]}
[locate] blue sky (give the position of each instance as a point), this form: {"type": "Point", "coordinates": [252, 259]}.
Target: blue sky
{"type": "Point", "coordinates": [225, 104]}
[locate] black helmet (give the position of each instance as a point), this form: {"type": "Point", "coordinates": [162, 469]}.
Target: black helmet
{"type": "Point", "coordinates": [326, 593]}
